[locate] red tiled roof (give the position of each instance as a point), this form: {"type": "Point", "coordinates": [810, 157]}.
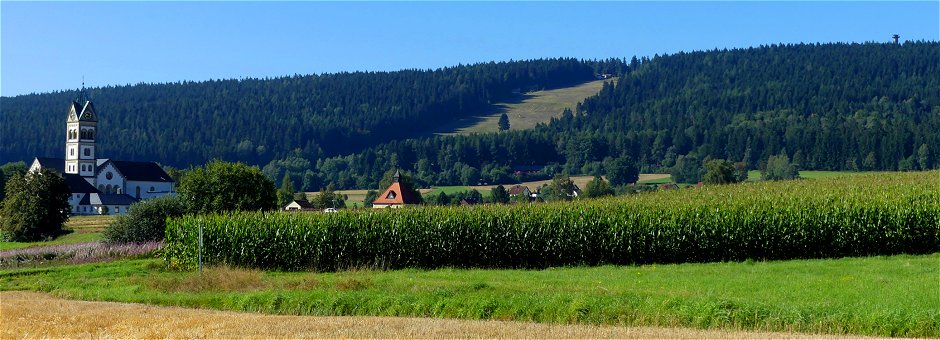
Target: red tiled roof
{"type": "Point", "coordinates": [395, 195]}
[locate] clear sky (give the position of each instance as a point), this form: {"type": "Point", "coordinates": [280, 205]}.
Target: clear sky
{"type": "Point", "coordinates": [50, 46]}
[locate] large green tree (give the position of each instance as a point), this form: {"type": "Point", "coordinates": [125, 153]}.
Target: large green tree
{"type": "Point", "coordinates": [598, 187]}
{"type": "Point", "coordinates": [286, 192]}
{"type": "Point", "coordinates": [621, 170]}
{"type": "Point", "coordinates": [499, 194]}
{"type": "Point", "coordinates": [224, 186]}
{"type": "Point", "coordinates": [779, 168]}
{"type": "Point", "coordinates": [35, 207]}
{"type": "Point", "coordinates": [719, 171]}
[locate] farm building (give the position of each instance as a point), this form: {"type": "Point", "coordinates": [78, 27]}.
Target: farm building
{"type": "Point", "coordinates": [394, 196]}
{"type": "Point", "coordinates": [299, 205]}
{"type": "Point", "coordinates": [517, 190]}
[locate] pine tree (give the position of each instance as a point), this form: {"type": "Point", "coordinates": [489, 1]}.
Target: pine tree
{"type": "Point", "coordinates": [503, 122]}
{"type": "Point", "coordinates": [286, 193]}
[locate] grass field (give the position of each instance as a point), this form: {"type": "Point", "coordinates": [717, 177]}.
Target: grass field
{"type": "Point", "coordinates": [527, 110]}
{"type": "Point", "coordinates": [25, 314]}
{"type": "Point", "coordinates": [83, 229]}
{"type": "Point", "coordinates": [886, 296]}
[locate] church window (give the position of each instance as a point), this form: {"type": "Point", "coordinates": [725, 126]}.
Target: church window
{"type": "Point", "coordinates": [108, 188]}
{"type": "Point", "coordinates": [101, 187]}
{"type": "Point", "coordinates": [71, 152]}
{"type": "Point", "coordinates": [108, 175]}
{"type": "Point", "coordinates": [91, 134]}
{"type": "Point", "coordinates": [117, 189]}
{"type": "Point", "coordinates": [87, 152]}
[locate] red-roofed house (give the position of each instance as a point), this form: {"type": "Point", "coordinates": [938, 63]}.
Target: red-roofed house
{"type": "Point", "coordinates": [394, 196]}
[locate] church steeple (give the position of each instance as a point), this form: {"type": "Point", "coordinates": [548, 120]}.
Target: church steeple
{"type": "Point", "coordinates": [81, 130]}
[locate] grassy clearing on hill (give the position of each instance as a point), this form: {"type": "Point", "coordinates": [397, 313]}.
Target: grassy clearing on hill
{"type": "Point", "coordinates": [83, 229]}
{"type": "Point", "coordinates": [527, 110]}
{"type": "Point", "coordinates": [887, 296]}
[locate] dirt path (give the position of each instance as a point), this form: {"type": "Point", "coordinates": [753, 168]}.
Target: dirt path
{"type": "Point", "coordinates": [36, 315]}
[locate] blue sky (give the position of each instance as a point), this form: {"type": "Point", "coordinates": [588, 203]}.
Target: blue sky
{"type": "Point", "coordinates": [50, 46]}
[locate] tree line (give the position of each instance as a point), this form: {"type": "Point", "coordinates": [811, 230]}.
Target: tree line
{"type": "Point", "coordinates": [833, 106]}
{"type": "Point", "coordinates": [258, 120]}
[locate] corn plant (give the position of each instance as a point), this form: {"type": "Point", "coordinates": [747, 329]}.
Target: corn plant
{"type": "Point", "coordinates": [877, 214]}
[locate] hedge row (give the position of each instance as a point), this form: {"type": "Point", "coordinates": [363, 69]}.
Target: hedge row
{"type": "Point", "coordinates": [878, 214]}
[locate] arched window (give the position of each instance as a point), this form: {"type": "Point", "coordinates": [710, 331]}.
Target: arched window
{"type": "Point", "coordinates": [108, 188]}
{"type": "Point", "coordinates": [117, 189]}
{"type": "Point", "coordinates": [91, 134]}
{"type": "Point", "coordinates": [152, 189]}
{"type": "Point", "coordinates": [87, 152]}
{"type": "Point", "coordinates": [101, 187]}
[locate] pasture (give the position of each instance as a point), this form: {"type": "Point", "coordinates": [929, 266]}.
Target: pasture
{"type": "Point", "coordinates": [882, 296]}
{"type": "Point", "coordinates": [526, 110]}
{"type": "Point", "coordinates": [79, 229]}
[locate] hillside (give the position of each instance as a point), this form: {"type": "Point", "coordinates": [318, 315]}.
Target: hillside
{"type": "Point", "coordinates": [525, 110]}
{"type": "Point", "coordinates": [257, 120]}
{"type": "Point", "coordinates": [829, 107]}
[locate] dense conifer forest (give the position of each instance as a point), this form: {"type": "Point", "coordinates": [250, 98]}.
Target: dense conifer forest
{"type": "Point", "coordinates": [836, 106]}
{"type": "Point", "coordinates": [257, 120]}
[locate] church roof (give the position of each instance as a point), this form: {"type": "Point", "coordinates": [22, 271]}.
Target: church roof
{"type": "Point", "coordinates": [141, 171]}
{"type": "Point", "coordinates": [88, 113]}
{"type": "Point", "coordinates": [57, 164]}
{"type": "Point", "coordinates": [74, 110]}
{"type": "Point", "coordinates": [395, 195]}
{"type": "Point", "coordinates": [78, 184]}
{"type": "Point", "coordinates": [107, 199]}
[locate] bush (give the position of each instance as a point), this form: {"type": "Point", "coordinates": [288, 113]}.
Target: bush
{"type": "Point", "coordinates": [779, 168]}
{"type": "Point", "coordinates": [145, 221]}
{"type": "Point", "coordinates": [35, 207]}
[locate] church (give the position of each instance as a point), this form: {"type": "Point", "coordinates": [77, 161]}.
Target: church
{"type": "Point", "coordinates": [101, 186]}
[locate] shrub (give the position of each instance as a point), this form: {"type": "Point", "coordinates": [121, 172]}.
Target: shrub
{"type": "Point", "coordinates": [145, 221]}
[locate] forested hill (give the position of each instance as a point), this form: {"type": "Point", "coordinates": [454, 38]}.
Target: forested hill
{"type": "Point", "coordinates": [839, 106]}
{"type": "Point", "coordinates": [257, 120]}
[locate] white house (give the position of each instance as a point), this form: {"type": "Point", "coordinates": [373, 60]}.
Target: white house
{"type": "Point", "coordinates": [101, 186]}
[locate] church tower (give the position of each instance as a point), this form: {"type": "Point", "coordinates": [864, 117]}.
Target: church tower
{"type": "Point", "coordinates": [81, 130]}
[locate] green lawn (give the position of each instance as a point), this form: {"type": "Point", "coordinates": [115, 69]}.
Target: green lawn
{"type": "Point", "coordinates": [887, 296]}
{"type": "Point", "coordinates": [83, 229]}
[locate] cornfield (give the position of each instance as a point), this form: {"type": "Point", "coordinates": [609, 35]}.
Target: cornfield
{"type": "Point", "coordinates": [876, 214]}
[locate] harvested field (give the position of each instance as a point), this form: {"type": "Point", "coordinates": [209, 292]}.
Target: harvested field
{"type": "Point", "coordinates": [35, 315]}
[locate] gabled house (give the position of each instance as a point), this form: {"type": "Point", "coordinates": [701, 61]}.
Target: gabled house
{"type": "Point", "coordinates": [299, 205]}
{"type": "Point", "coordinates": [517, 190]}
{"type": "Point", "coordinates": [395, 196]}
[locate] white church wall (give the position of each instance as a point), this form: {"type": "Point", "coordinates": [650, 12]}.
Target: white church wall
{"type": "Point", "coordinates": [116, 180]}
{"type": "Point", "coordinates": [149, 189]}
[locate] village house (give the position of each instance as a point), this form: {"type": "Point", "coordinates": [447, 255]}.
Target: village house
{"type": "Point", "coordinates": [394, 196]}
{"type": "Point", "coordinates": [299, 205]}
